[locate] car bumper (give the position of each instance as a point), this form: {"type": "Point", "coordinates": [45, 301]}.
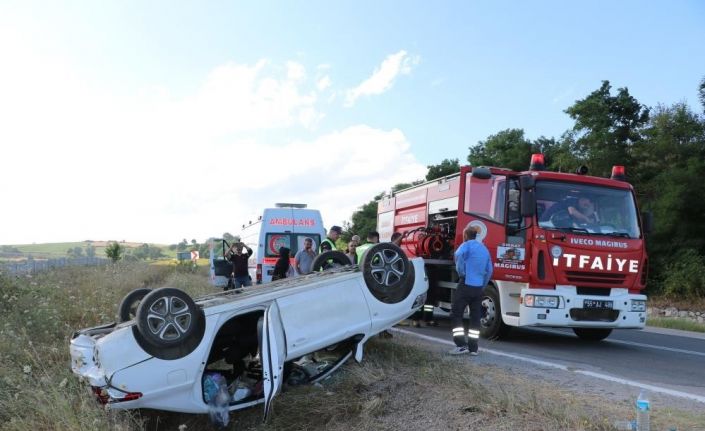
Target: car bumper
{"type": "Point", "coordinates": [582, 311]}
{"type": "Point", "coordinates": [83, 360]}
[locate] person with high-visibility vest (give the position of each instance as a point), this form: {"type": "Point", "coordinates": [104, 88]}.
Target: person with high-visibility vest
{"type": "Point", "coordinates": [372, 239]}
{"type": "Point", "coordinates": [328, 244]}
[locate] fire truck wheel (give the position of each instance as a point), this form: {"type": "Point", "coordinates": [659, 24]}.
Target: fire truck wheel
{"type": "Point", "coordinates": [592, 334]}
{"type": "Point", "coordinates": [329, 259]}
{"type": "Point", "coordinates": [388, 273]}
{"type": "Point", "coordinates": [128, 307]}
{"type": "Point", "coordinates": [169, 323]}
{"type": "Point", "coordinates": [491, 325]}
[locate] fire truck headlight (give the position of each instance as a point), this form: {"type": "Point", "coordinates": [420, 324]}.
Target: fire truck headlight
{"type": "Point", "coordinates": [541, 301]}
{"type": "Point", "coordinates": [638, 305]}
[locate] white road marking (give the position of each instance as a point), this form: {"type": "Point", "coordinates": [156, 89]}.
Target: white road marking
{"type": "Point", "coordinates": [629, 343]}
{"type": "Point", "coordinates": [543, 363]}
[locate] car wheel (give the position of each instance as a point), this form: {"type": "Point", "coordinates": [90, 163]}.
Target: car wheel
{"type": "Point", "coordinates": [169, 322]}
{"type": "Point", "coordinates": [329, 259]}
{"type": "Point", "coordinates": [388, 273]}
{"type": "Point", "coordinates": [592, 334]}
{"type": "Point", "coordinates": [128, 307]}
{"type": "Point", "coordinates": [491, 325]}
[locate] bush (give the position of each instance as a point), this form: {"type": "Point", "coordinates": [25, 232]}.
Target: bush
{"type": "Point", "coordinates": [685, 275]}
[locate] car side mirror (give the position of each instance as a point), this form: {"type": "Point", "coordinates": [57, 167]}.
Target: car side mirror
{"type": "Point", "coordinates": [528, 198]}
{"type": "Point", "coordinates": [526, 182]}
{"type": "Point", "coordinates": [647, 221]}
{"type": "Point", "coordinates": [528, 203]}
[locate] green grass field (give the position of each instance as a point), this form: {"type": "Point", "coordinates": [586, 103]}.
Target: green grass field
{"type": "Point", "coordinates": [59, 249]}
{"type": "Point", "coordinates": [675, 323]}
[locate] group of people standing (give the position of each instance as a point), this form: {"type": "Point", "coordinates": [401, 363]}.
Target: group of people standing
{"type": "Point", "coordinates": [303, 259]}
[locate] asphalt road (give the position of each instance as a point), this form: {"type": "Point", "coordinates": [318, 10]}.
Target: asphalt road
{"type": "Point", "coordinates": [672, 360]}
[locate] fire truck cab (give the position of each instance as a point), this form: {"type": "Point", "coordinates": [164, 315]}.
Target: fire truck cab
{"type": "Point", "coordinates": [568, 250]}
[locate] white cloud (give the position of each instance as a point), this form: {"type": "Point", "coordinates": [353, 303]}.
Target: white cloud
{"type": "Point", "coordinates": [323, 83]}
{"type": "Point", "coordinates": [383, 77]}
{"type": "Point", "coordinates": [80, 161]}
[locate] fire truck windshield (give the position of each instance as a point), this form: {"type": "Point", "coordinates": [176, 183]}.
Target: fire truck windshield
{"type": "Point", "coordinates": [586, 209]}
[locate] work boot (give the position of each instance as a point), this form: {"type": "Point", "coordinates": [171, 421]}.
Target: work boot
{"type": "Point", "coordinates": [462, 350]}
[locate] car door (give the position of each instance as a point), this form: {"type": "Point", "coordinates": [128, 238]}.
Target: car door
{"type": "Point", "coordinates": [326, 313]}
{"type": "Point", "coordinates": [272, 355]}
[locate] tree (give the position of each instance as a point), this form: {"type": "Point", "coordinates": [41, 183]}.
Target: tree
{"type": "Point", "coordinates": [74, 252]}
{"type": "Point", "coordinates": [669, 167]}
{"type": "Point", "coordinates": [607, 127]}
{"type": "Point", "coordinates": [701, 93]}
{"type": "Point", "coordinates": [364, 220]}
{"type": "Point", "coordinates": [155, 253]}
{"type": "Point", "coordinates": [90, 250]}
{"type": "Point", "coordinates": [508, 149]}
{"type": "Point", "coordinates": [114, 251]}
{"type": "Point", "coordinates": [204, 251]}
{"type": "Point", "coordinates": [446, 167]}
{"type": "Point", "coordinates": [182, 245]}
{"type": "Point", "coordinates": [558, 155]}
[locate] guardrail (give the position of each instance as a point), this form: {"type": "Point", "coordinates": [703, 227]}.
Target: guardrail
{"type": "Point", "coordinates": [31, 266]}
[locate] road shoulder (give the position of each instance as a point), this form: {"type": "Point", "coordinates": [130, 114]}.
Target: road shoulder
{"type": "Point", "coordinates": [611, 388]}
{"type": "Point", "coordinates": [675, 332]}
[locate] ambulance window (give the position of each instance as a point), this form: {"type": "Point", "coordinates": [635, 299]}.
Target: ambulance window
{"type": "Point", "coordinates": [486, 197]}
{"type": "Point", "coordinates": [301, 237]}
{"type": "Point", "coordinates": [275, 240]}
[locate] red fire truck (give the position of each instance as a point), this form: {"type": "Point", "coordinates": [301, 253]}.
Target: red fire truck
{"type": "Point", "coordinates": [568, 250]}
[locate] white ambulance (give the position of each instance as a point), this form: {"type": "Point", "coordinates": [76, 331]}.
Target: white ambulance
{"type": "Point", "coordinates": [286, 225]}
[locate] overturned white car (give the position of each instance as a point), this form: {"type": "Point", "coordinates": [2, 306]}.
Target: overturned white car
{"type": "Point", "coordinates": [290, 331]}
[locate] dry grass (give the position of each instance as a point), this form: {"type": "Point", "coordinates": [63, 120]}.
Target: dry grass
{"type": "Point", "coordinates": [401, 384]}
{"type": "Point", "coordinates": [687, 304]}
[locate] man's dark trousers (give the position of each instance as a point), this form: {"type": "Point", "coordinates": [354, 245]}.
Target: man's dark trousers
{"type": "Point", "coordinates": [467, 296]}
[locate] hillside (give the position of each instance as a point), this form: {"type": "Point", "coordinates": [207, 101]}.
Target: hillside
{"type": "Point", "coordinates": [59, 249]}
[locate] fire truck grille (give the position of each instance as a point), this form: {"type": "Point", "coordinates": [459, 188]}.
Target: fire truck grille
{"type": "Point", "coordinates": [580, 277]}
{"type": "Point", "coordinates": [593, 315]}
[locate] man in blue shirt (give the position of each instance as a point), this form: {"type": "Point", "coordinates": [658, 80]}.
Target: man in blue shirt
{"type": "Point", "coordinates": [474, 266]}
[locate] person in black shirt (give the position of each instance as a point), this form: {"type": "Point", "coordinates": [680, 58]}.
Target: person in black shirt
{"type": "Point", "coordinates": [240, 275]}
{"type": "Point", "coordinates": [282, 269]}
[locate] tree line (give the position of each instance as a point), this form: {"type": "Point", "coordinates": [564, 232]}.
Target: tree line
{"type": "Point", "coordinates": [663, 150]}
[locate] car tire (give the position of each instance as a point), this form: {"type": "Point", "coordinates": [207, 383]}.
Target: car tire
{"type": "Point", "coordinates": [491, 325]}
{"type": "Point", "coordinates": [388, 273]}
{"type": "Point", "coordinates": [127, 310]}
{"type": "Point", "coordinates": [592, 334]}
{"type": "Point", "coordinates": [169, 323]}
{"type": "Point", "coordinates": [328, 260]}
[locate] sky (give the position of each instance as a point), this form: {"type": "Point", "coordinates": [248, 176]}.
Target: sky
{"type": "Point", "coordinates": [157, 121]}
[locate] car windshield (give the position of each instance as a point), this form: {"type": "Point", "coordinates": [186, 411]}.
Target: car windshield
{"type": "Point", "coordinates": [586, 209]}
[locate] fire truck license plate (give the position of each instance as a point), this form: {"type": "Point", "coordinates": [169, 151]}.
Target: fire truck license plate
{"type": "Point", "coordinates": [594, 303]}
